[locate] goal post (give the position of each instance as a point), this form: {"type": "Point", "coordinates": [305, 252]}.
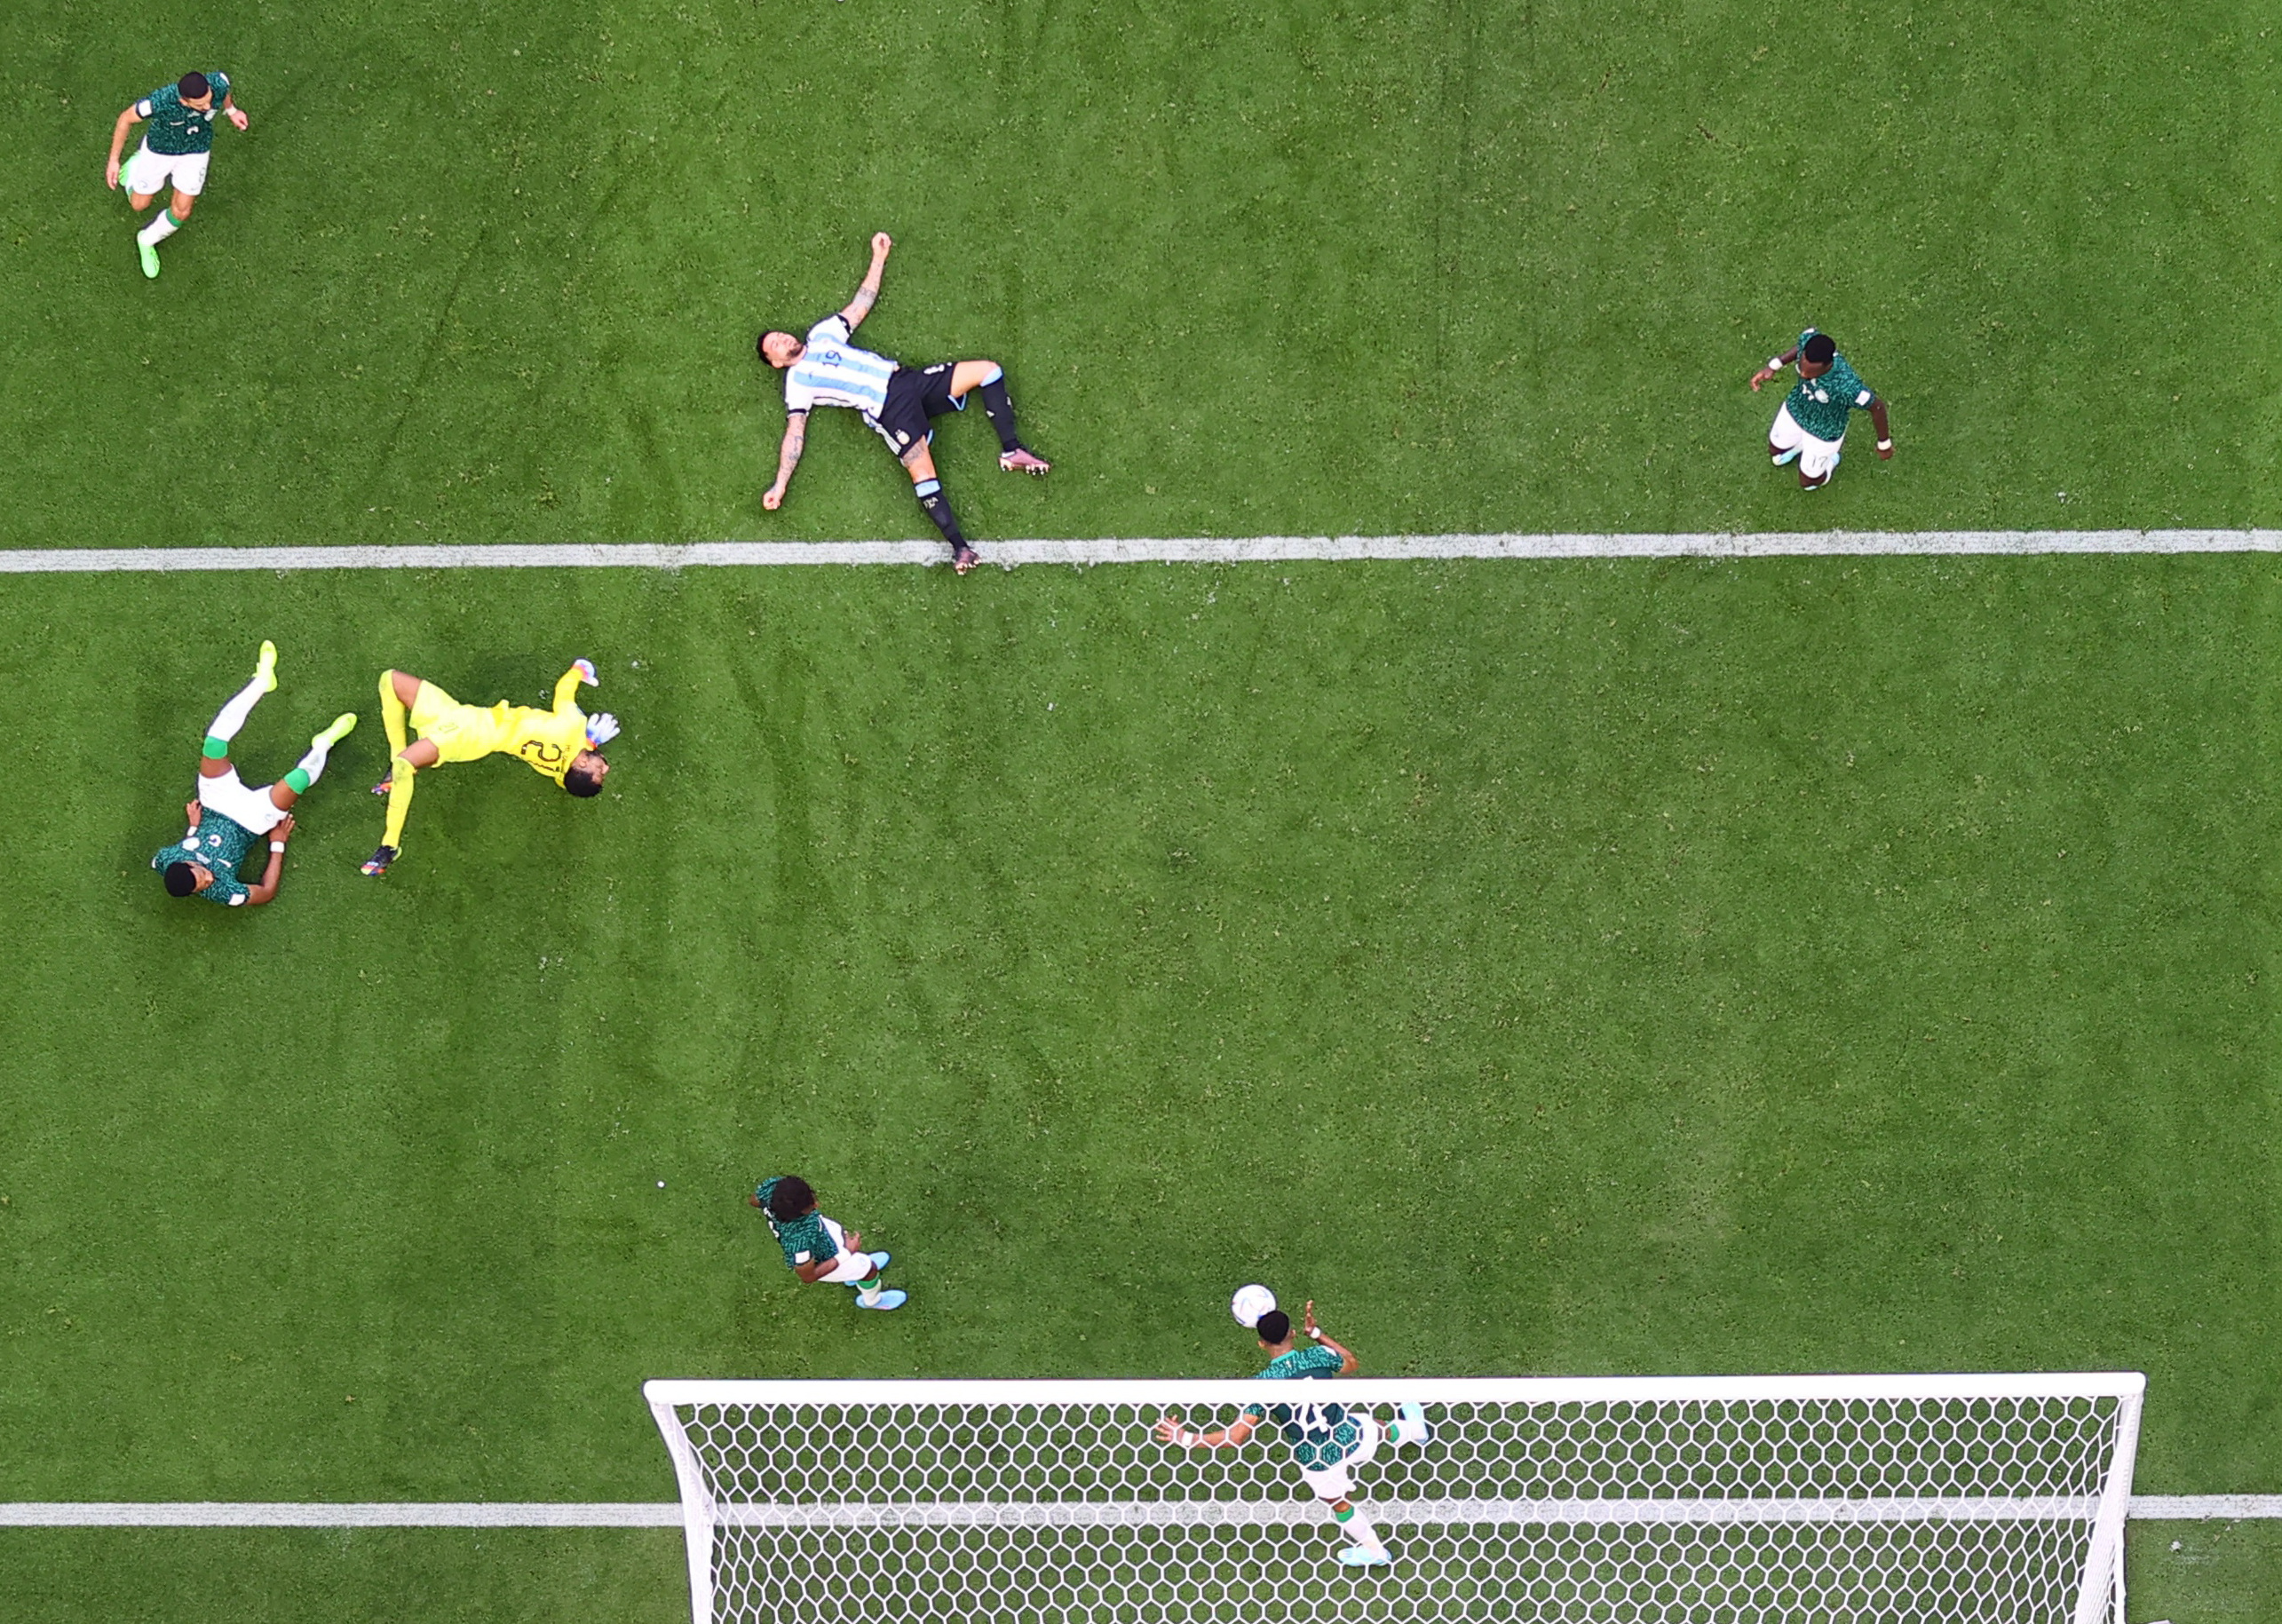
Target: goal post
{"type": "Point", "coordinates": [1716, 1500]}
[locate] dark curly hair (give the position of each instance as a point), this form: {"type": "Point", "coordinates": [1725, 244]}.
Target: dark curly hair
{"type": "Point", "coordinates": [791, 1198]}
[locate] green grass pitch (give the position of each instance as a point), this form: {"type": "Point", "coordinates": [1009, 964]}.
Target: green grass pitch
{"type": "Point", "coordinates": [1792, 965]}
{"type": "Point", "coordinates": [495, 275]}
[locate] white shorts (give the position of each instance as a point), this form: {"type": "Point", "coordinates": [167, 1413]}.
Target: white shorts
{"type": "Point", "coordinates": [1332, 1482]}
{"type": "Point", "coordinates": [250, 808]}
{"type": "Point", "coordinates": [1817, 457]}
{"type": "Point", "coordinates": [148, 173]}
{"type": "Point", "coordinates": [847, 1267]}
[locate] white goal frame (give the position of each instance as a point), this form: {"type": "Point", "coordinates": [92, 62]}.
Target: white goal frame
{"type": "Point", "coordinates": [1845, 1441]}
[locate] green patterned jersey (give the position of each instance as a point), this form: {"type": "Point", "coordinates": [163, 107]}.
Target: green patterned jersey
{"type": "Point", "coordinates": [1820, 405]}
{"type": "Point", "coordinates": [1321, 1435]}
{"type": "Point", "coordinates": [176, 129]}
{"type": "Point", "coordinates": [804, 1239]}
{"type": "Point", "coordinates": [218, 844]}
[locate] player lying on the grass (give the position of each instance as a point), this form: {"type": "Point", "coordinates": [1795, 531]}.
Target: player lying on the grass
{"type": "Point", "coordinates": [1811, 425]}
{"type": "Point", "coordinates": [820, 1251]}
{"type": "Point", "coordinates": [898, 402]}
{"type": "Point", "coordinates": [1328, 1440]}
{"type": "Point", "coordinates": [565, 744]}
{"type": "Point", "coordinates": [174, 150]}
{"type": "Point", "coordinates": [226, 818]}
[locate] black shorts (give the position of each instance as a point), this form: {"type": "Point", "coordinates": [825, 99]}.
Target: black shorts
{"type": "Point", "coordinates": [915, 398]}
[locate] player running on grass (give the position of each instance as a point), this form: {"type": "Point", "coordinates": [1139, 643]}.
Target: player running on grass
{"type": "Point", "coordinates": [226, 818]}
{"type": "Point", "coordinates": [175, 150]}
{"type": "Point", "coordinates": [820, 1251]}
{"type": "Point", "coordinates": [564, 743]}
{"type": "Point", "coordinates": [897, 402]}
{"type": "Point", "coordinates": [1328, 1440]}
{"type": "Point", "coordinates": [1811, 425]}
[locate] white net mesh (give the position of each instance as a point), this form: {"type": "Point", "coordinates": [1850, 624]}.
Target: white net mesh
{"type": "Point", "coordinates": [1748, 1500]}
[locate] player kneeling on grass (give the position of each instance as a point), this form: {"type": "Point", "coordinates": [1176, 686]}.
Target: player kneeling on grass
{"type": "Point", "coordinates": [174, 152]}
{"type": "Point", "coordinates": [563, 744]}
{"type": "Point", "coordinates": [226, 818]}
{"type": "Point", "coordinates": [1327, 1440]}
{"type": "Point", "coordinates": [1811, 425]}
{"type": "Point", "coordinates": [899, 403]}
{"type": "Point", "coordinates": [820, 1251]}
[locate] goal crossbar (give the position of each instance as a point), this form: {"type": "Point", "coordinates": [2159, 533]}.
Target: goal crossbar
{"type": "Point", "coordinates": [1424, 1390]}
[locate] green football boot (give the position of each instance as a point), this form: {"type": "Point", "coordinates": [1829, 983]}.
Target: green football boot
{"type": "Point", "coordinates": [150, 259]}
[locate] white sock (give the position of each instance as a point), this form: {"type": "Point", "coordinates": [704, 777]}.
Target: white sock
{"type": "Point", "coordinates": [162, 226]}
{"type": "Point", "coordinates": [1359, 1529]}
{"type": "Point", "coordinates": [313, 762]}
{"type": "Point", "coordinates": [233, 716]}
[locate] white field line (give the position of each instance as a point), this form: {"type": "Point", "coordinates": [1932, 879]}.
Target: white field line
{"type": "Point", "coordinates": [667, 1514]}
{"type": "Point", "coordinates": [2189, 1507]}
{"type": "Point", "coordinates": [1189, 550]}
{"type": "Point", "coordinates": [316, 1514]}
{"type": "Point", "coordinates": [1397, 1513]}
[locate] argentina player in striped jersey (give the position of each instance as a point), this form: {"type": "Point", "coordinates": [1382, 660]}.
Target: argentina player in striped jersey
{"type": "Point", "coordinates": [899, 403]}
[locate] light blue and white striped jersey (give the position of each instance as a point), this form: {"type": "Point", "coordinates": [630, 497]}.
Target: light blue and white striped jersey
{"type": "Point", "coordinates": [834, 372]}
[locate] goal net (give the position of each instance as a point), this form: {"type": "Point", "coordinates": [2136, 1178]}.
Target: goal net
{"type": "Point", "coordinates": [1776, 1500]}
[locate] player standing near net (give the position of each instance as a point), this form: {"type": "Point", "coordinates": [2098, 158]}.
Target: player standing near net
{"type": "Point", "coordinates": [818, 1249]}
{"type": "Point", "coordinates": [174, 151]}
{"type": "Point", "coordinates": [1328, 1440]}
{"type": "Point", "coordinates": [564, 744]}
{"type": "Point", "coordinates": [1811, 425]}
{"type": "Point", "coordinates": [226, 817]}
{"type": "Point", "coordinates": [897, 402]}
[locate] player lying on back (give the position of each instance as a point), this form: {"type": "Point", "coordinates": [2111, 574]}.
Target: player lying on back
{"type": "Point", "coordinates": [226, 817]}
{"type": "Point", "coordinates": [1328, 1440]}
{"type": "Point", "coordinates": [899, 403]}
{"type": "Point", "coordinates": [816, 1248]}
{"type": "Point", "coordinates": [564, 744]}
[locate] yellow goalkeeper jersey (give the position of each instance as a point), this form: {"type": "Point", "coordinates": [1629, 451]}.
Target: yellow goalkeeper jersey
{"type": "Point", "coordinates": [548, 740]}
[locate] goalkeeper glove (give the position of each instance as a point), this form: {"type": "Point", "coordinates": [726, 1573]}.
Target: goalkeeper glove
{"type": "Point", "coordinates": [585, 670]}
{"type": "Point", "coordinates": [601, 729]}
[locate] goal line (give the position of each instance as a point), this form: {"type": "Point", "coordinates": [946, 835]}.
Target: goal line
{"type": "Point", "coordinates": [666, 1513]}
{"type": "Point", "coordinates": [670, 1513]}
{"type": "Point", "coordinates": [1181, 549]}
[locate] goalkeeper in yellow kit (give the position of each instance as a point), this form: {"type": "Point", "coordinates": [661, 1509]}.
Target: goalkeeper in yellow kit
{"type": "Point", "coordinates": [564, 743]}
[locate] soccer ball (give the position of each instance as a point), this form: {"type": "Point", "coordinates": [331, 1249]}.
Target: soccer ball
{"type": "Point", "coordinates": [1249, 1302]}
